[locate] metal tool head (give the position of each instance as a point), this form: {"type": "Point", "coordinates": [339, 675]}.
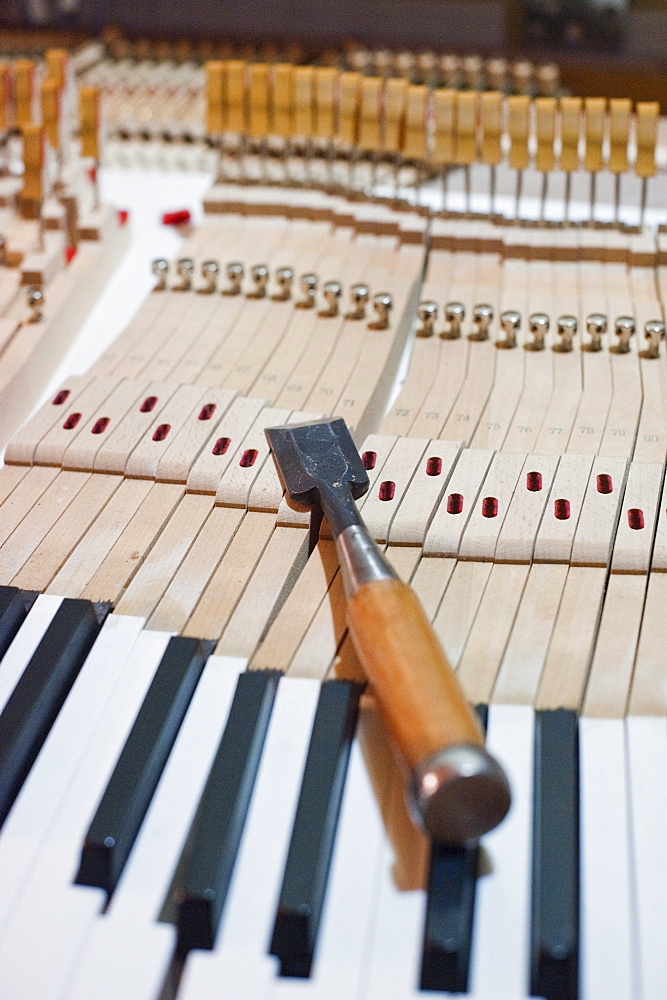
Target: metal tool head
{"type": "Point", "coordinates": [315, 457]}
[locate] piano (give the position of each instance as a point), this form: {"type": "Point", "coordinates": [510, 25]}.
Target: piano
{"type": "Point", "coordinates": [197, 796]}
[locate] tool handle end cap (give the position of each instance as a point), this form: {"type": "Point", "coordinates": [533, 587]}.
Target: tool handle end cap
{"type": "Point", "coordinates": [459, 793]}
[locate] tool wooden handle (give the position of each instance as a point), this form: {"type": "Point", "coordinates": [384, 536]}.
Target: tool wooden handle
{"type": "Point", "coordinates": [421, 701]}
{"type": "Point", "coordinates": [457, 791]}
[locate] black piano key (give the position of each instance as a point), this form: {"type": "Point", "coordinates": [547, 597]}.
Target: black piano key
{"type": "Point", "coordinates": [13, 612]}
{"type": "Point", "coordinates": [450, 910]}
{"type": "Point", "coordinates": [313, 833]}
{"type": "Point", "coordinates": [212, 845]}
{"type": "Point", "coordinates": [41, 690]}
{"type": "Point", "coordinates": [554, 952]}
{"type": "Point", "coordinates": [126, 799]}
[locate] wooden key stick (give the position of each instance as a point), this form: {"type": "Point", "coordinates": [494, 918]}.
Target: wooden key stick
{"type": "Point", "coordinates": [456, 789]}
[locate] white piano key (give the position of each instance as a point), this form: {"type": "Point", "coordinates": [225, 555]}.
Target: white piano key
{"type": "Point", "coordinates": [393, 961]}
{"type": "Point", "coordinates": [351, 899]}
{"type": "Point", "coordinates": [499, 962]}
{"type": "Point", "coordinates": [25, 642]}
{"type": "Point", "coordinates": [606, 925]}
{"type": "Point", "coordinates": [647, 759]}
{"type": "Point", "coordinates": [129, 952]}
{"type": "Point", "coordinates": [240, 958]}
{"type": "Point", "coordinates": [45, 930]}
{"type": "Point", "coordinates": [30, 819]}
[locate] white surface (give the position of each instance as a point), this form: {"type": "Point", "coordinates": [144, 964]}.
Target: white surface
{"type": "Point", "coordinates": [351, 899]}
{"type": "Point", "coordinates": [129, 952]}
{"type": "Point", "coordinates": [394, 952]}
{"type": "Point", "coordinates": [499, 962]}
{"type": "Point", "coordinates": [41, 942]}
{"type": "Point", "coordinates": [30, 819]}
{"type": "Point", "coordinates": [146, 194]}
{"type": "Point", "coordinates": [647, 764]}
{"type": "Point", "coordinates": [240, 958]}
{"type": "Point", "coordinates": [607, 938]}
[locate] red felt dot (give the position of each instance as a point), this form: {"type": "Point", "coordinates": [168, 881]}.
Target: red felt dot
{"type": "Point", "coordinates": [161, 432]}
{"type": "Point", "coordinates": [562, 509]}
{"type": "Point", "coordinates": [221, 446]}
{"type": "Point", "coordinates": [604, 484]}
{"type": "Point", "coordinates": [100, 425]}
{"type": "Point", "coordinates": [433, 466]}
{"type": "Point", "coordinates": [369, 458]}
{"type": "Point", "coordinates": [387, 490]}
{"type": "Point", "coordinates": [490, 507]}
{"type": "Point", "coordinates": [636, 518]}
{"type": "Point", "coordinates": [248, 458]}
{"type": "Point", "coordinates": [454, 503]}
{"type": "Point", "coordinates": [177, 218]}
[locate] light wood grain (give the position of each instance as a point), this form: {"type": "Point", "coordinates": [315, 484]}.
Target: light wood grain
{"type": "Point", "coordinates": [277, 648]}
{"type": "Point", "coordinates": [41, 517]}
{"type": "Point", "coordinates": [102, 535]}
{"type": "Point", "coordinates": [195, 571]}
{"type": "Point", "coordinates": [648, 693]}
{"type": "Point", "coordinates": [117, 568]}
{"type": "Point", "coordinates": [229, 580]}
{"type": "Point", "coordinates": [608, 688]}
{"type": "Point", "coordinates": [273, 577]}
{"type": "Point", "coordinates": [56, 546]}
{"type": "Point", "coordinates": [566, 668]}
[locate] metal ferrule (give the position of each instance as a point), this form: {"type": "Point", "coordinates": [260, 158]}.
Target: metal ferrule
{"type": "Point", "coordinates": [361, 561]}
{"type": "Point", "coordinates": [458, 793]}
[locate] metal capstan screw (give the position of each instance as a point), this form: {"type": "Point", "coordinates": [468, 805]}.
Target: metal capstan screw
{"type": "Point", "coordinates": [567, 330]}
{"type": "Point", "coordinates": [308, 283]}
{"type": "Point", "coordinates": [260, 276]}
{"type": "Point", "coordinates": [185, 269]}
{"type": "Point", "coordinates": [596, 328]}
{"type": "Point", "coordinates": [654, 332]}
{"type": "Point", "coordinates": [332, 292]}
{"type": "Point", "coordinates": [510, 323]}
{"type": "Point", "coordinates": [455, 313]}
{"type": "Point", "coordinates": [382, 303]}
{"type": "Point", "coordinates": [427, 313]}
{"type": "Point", "coordinates": [160, 268]}
{"type": "Point", "coordinates": [482, 318]}
{"type": "Point", "coordinates": [359, 296]}
{"type": "Point", "coordinates": [235, 273]}
{"type": "Point", "coordinates": [284, 279]}
{"type": "Point", "coordinates": [209, 273]}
